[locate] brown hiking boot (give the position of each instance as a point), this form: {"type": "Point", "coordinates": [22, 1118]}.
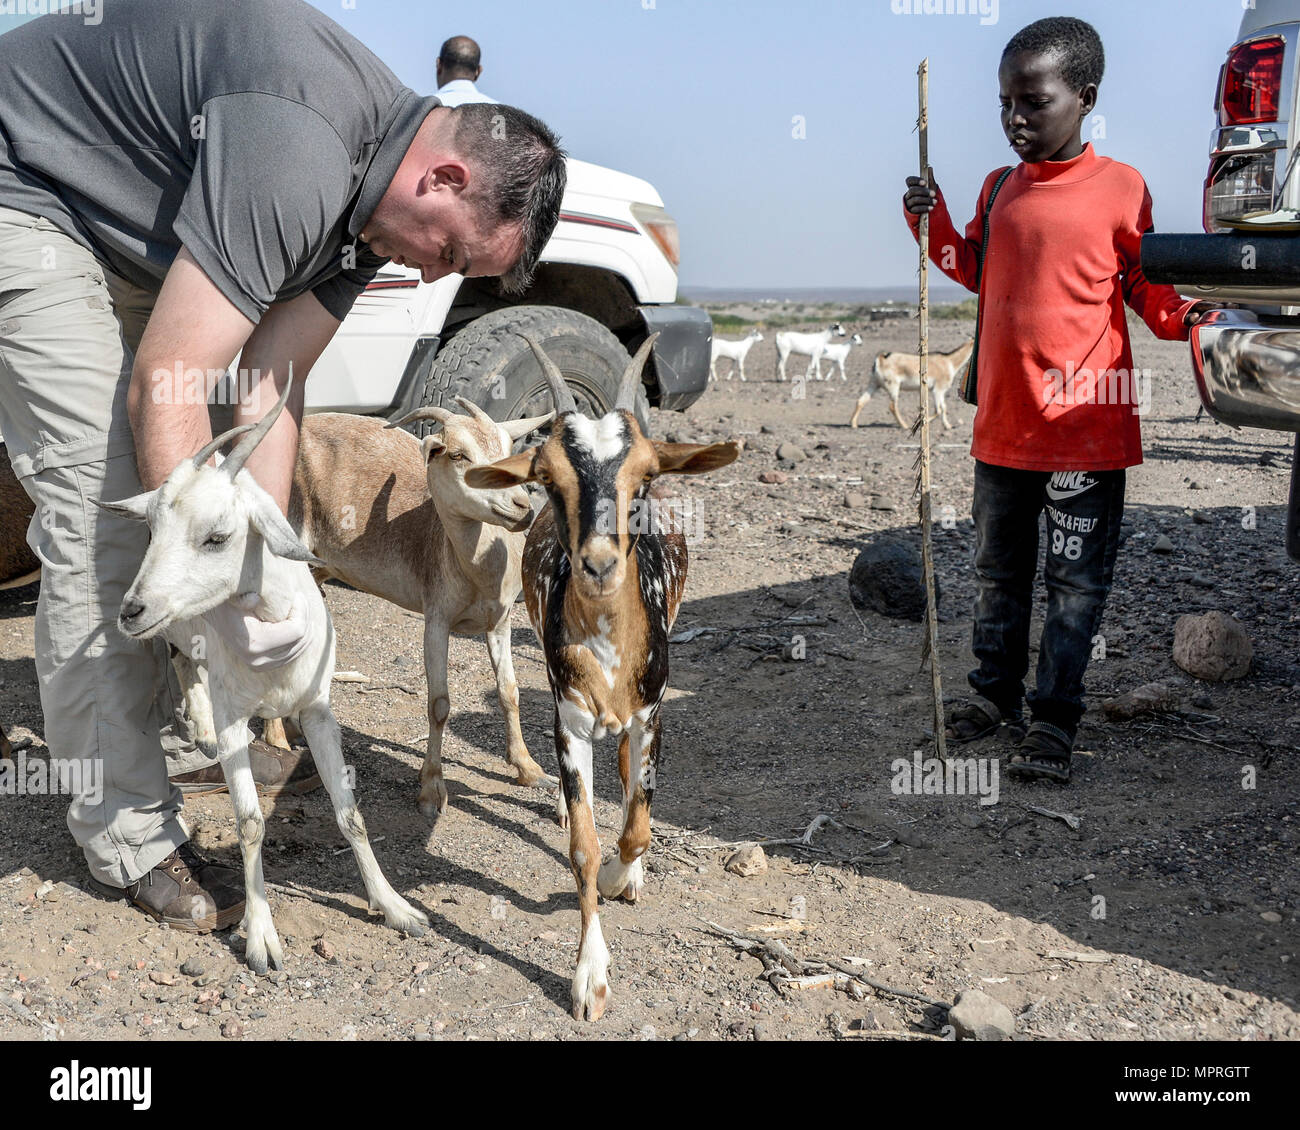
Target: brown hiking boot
{"type": "Point", "coordinates": [186, 892]}
{"type": "Point", "coordinates": [275, 771]}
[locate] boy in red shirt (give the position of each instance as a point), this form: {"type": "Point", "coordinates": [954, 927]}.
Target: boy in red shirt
{"type": "Point", "coordinates": [1057, 421]}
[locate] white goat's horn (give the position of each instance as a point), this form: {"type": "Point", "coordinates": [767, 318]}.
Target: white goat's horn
{"type": "Point", "coordinates": [217, 444]}
{"type": "Point", "coordinates": [627, 388]}
{"type": "Point", "coordinates": [235, 463]}
{"type": "Point", "coordinates": [561, 394]}
{"type": "Point", "coordinates": [429, 412]}
{"type": "Point", "coordinates": [517, 429]}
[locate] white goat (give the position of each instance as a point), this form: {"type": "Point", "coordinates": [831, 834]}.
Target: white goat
{"type": "Point", "coordinates": [895, 371]}
{"type": "Point", "coordinates": [391, 515]}
{"type": "Point", "coordinates": [217, 535]}
{"type": "Point", "coordinates": [734, 351]}
{"type": "Point", "coordinates": [811, 344]}
{"type": "Point", "coordinates": [837, 355]}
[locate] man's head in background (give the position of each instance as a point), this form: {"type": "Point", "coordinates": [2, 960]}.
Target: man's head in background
{"type": "Point", "coordinates": [478, 193]}
{"type": "Point", "coordinates": [459, 58]}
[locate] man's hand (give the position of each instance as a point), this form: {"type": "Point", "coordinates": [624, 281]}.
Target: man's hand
{"type": "Point", "coordinates": [262, 645]}
{"type": "Point", "coordinates": [921, 196]}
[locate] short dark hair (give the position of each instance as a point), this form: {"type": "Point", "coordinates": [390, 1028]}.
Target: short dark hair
{"type": "Point", "coordinates": [521, 176]}
{"type": "Point", "coordinates": [1073, 44]}
{"type": "Point", "coordinates": [459, 53]}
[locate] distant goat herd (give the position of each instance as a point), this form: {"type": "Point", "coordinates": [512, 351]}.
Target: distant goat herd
{"type": "Point", "coordinates": [449, 533]}
{"type": "Point", "coordinates": [890, 372]}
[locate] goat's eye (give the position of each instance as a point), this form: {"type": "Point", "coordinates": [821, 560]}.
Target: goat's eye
{"type": "Point", "coordinates": [216, 541]}
{"type": "Point", "coordinates": [458, 457]}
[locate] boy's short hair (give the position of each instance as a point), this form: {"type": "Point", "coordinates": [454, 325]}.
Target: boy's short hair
{"type": "Point", "coordinates": [1074, 44]}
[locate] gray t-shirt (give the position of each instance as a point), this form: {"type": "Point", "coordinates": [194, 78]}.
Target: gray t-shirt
{"type": "Point", "coordinates": [258, 133]}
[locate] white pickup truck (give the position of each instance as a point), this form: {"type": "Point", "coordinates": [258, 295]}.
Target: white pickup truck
{"type": "Point", "coordinates": [607, 280]}
{"type": "Point", "coordinates": [1247, 359]}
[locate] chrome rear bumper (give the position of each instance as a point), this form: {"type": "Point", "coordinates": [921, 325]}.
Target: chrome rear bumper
{"type": "Point", "coordinates": [1248, 368]}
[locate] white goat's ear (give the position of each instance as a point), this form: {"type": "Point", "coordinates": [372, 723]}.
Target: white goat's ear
{"type": "Point", "coordinates": [277, 533]}
{"type": "Point", "coordinates": [433, 445]}
{"type": "Point", "coordinates": [136, 508]}
{"type": "Point", "coordinates": [512, 471]}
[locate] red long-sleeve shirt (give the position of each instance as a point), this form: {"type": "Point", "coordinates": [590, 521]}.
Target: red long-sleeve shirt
{"type": "Point", "coordinates": [1057, 390]}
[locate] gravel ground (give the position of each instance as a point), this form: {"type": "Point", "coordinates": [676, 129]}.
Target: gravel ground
{"type": "Point", "coordinates": [1168, 913]}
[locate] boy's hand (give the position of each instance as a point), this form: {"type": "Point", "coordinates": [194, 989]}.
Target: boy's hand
{"type": "Point", "coordinates": [1203, 307]}
{"type": "Point", "coordinates": [920, 196]}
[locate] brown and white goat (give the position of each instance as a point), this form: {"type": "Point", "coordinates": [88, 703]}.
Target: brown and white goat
{"type": "Point", "coordinates": [895, 371]}
{"type": "Point", "coordinates": [391, 515]}
{"type": "Point", "coordinates": [603, 584]}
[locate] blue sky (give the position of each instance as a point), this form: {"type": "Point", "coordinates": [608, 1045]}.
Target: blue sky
{"type": "Point", "coordinates": [700, 97]}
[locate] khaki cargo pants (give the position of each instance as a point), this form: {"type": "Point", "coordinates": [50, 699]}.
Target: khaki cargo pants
{"type": "Point", "coordinates": [68, 333]}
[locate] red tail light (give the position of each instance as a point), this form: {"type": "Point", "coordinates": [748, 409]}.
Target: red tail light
{"type": "Point", "coordinates": [1252, 78]}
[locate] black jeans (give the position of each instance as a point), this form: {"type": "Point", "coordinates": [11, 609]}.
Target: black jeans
{"type": "Point", "coordinates": [1083, 509]}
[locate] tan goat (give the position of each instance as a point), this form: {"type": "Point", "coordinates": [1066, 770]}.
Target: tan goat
{"type": "Point", "coordinates": [391, 515]}
{"type": "Point", "coordinates": [896, 371]}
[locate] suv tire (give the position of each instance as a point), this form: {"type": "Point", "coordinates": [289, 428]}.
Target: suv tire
{"type": "Point", "coordinates": [488, 363]}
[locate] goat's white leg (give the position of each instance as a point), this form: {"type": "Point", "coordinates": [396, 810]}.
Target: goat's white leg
{"type": "Point", "coordinates": [863, 401]}
{"type": "Point", "coordinates": [322, 732]}
{"type": "Point", "coordinates": [638, 752]}
{"type": "Point", "coordinates": [262, 949]}
{"type": "Point", "coordinates": [433, 789]}
{"type": "Point", "coordinates": [941, 402]}
{"type": "Point", "coordinates": [590, 989]}
{"type": "Point", "coordinates": [742, 370]}
{"type": "Point", "coordinates": [713, 376]}
{"type": "Point", "coordinates": [893, 404]}
{"type": "Point", "coordinates": [780, 364]}
{"type": "Point", "coordinates": [527, 771]}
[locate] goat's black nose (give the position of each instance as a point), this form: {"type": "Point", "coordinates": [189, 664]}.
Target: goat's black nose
{"type": "Point", "coordinates": [599, 570]}
{"type": "Point", "coordinates": [130, 610]}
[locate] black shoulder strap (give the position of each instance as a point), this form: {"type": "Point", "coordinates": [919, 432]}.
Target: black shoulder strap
{"type": "Point", "coordinates": [969, 387]}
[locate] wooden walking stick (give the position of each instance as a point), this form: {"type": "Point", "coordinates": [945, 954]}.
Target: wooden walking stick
{"type": "Point", "coordinates": [930, 647]}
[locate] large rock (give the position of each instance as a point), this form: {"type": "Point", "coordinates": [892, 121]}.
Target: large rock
{"type": "Point", "coordinates": [886, 577]}
{"type": "Point", "coordinates": [750, 859]}
{"type": "Point", "coordinates": [1212, 646]}
{"type": "Point", "coordinates": [977, 1016]}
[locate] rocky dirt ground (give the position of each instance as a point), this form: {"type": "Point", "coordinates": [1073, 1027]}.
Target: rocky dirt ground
{"type": "Point", "coordinates": [1167, 913]}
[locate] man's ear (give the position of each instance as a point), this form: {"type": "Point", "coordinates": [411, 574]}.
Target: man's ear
{"type": "Point", "coordinates": [431, 446]}
{"type": "Point", "coordinates": [136, 508]}
{"type": "Point", "coordinates": [277, 533]}
{"type": "Point", "coordinates": [508, 472]}
{"type": "Point", "coordinates": [695, 458]}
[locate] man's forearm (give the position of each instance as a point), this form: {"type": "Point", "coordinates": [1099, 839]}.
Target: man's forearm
{"type": "Point", "coordinates": [296, 331]}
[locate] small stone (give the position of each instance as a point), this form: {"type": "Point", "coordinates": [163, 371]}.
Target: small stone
{"type": "Point", "coordinates": [977, 1016]}
{"type": "Point", "coordinates": [188, 1023]}
{"type": "Point", "coordinates": [193, 967]}
{"type": "Point", "coordinates": [325, 951]}
{"type": "Point", "coordinates": [1142, 700]}
{"type": "Point", "coordinates": [886, 577]}
{"type": "Point", "coordinates": [854, 501]}
{"type": "Point", "coordinates": [767, 430]}
{"type": "Point", "coordinates": [1212, 646]}
{"type": "Point", "coordinates": [748, 860]}
{"type": "Point", "coordinates": [232, 1029]}
{"type": "Point", "coordinates": [789, 453]}
{"type": "Point", "coordinates": [1272, 917]}
{"type": "Point", "coordinates": [1163, 545]}
{"type": "Point", "coordinates": [773, 478]}
{"type": "Point", "coordinates": [1201, 518]}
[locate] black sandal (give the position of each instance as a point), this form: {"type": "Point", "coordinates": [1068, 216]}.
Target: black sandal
{"type": "Point", "coordinates": [980, 717]}
{"type": "Point", "coordinates": [1043, 754]}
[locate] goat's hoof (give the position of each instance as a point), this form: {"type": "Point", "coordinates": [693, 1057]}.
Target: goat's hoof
{"type": "Point", "coordinates": [531, 775]}
{"type": "Point", "coordinates": [561, 811]}
{"type": "Point", "coordinates": [264, 952]}
{"type": "Point", "coordinates": [590, 994]}
{"type": "Point", "coordinates": [616, 878]}
{"type": "Point", "coordinates": [433, 799]}
{"type": "Point", "coordinates": [408, 920]}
